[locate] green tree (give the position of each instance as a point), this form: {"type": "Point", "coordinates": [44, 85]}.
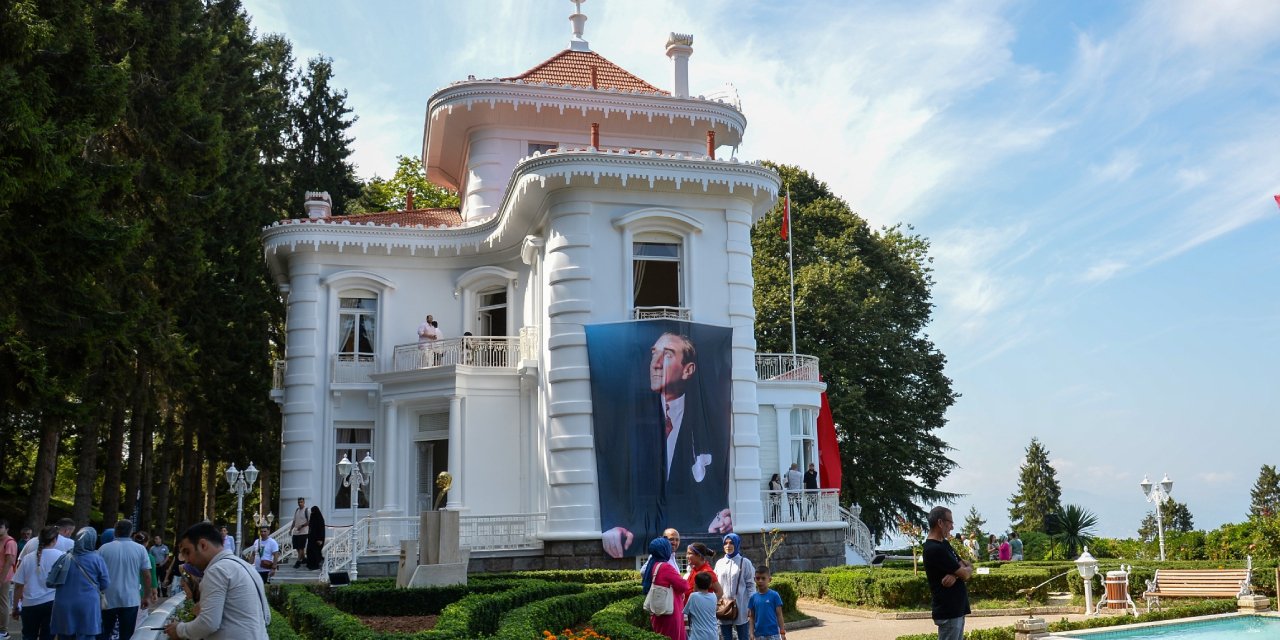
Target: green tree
{"type": "Point", "coordinates": [390, 195]}
{"type": "Point", "coordinates": [1264, 498]}
{"type": "Point", "coordinates": [973, 523]}
{"type": "Point", "coordinates": [862, 305]}
{"type": "Point", "coordinates": [1038, 492]}
{"type": "Point", "coordinates": [322, 148]}
{"type": "Point", "coordinates": [1075, 528]}
{"type": "Point", "coordinates": [1176, 515]}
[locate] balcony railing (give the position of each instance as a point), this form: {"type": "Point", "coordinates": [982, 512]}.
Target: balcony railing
{"type": "Point", "coordinates": [346, 367]}
{"type": "Point", "coordinates": [475, 351]}
{"type": "Point", "coordinates": [659, 313]}
{"type": "Point", "coordinates": [786, 366]}
{"type": "Point", "coordinates": [821, 505]}
{"type": "Point", "coordinates": [502, 533]}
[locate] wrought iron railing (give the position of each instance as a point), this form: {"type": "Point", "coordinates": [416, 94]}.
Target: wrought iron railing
{"type": "Point", "coordinates": [658, 313]}
{"type": "Point", "coordinates": [815, 505]}
{"type": "Point", "coordinates": [382, 536]}
{"type": "Point", "coordinates": [346, 367]}
{"type": "Point", "coordinates": [786, 366]}
{"type": "Point", "coordinates": [475, 351]}
{"type": "Point", "coordinates": [856, 533]}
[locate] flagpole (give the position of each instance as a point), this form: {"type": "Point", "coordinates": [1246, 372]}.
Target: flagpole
{"type": "Point", "coordinates": [791, 269]}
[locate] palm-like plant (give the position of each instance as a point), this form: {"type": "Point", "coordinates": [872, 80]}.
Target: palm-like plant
{"type": "Point", "coordinates": [1075, 527]}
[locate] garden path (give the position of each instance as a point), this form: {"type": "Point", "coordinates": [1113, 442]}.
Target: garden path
{"type": "Point", "coordinates": [838, 625]}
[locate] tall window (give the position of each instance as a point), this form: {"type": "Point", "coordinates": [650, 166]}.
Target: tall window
{"type": "Point", "coordinates": [354, 443]}
{"type": "Point", "coordinates": [357, 328]}
{"type": "Point", "coordinates": [804, 441]}
{"type": "Point", "coordinates": [655, 274]}
{"type": "Point", "coordinates": [492, 312]}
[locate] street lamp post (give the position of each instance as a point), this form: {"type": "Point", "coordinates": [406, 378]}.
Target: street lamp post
{"type": "Point", "coordinates": [356, 477]}
{"type": "Point", "coordinates": [1158, 494]}
{"type": "Point", "coordinates": [1087, 565]}
{"type": "Point", "coordinates": [241, 482]}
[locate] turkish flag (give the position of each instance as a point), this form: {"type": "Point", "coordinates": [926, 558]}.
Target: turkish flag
{"type": "Point", "coordinates": [830, 475]}
{"type": "Point", "coordinates": [786, 214]}
{"type": "Point", "coordinates": [784, 232]}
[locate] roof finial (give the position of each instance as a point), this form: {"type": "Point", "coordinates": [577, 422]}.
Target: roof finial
{"type": "Point", "coordinates": [579, 19]}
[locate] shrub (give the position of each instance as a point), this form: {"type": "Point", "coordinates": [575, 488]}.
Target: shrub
{"type": "Point", "coordinates": [384, 598]}
{"type": "Point", "coordinates": [807, 585]}
{"type": "Point", "coordinates": [479, 613]}
{"type": "Point", "coordinates": [581, 576]}
{"type": "Point", "coordinates": [560, 612]}
{"type": "Point", "coordinates": [279, 628]}
{"type": "Point", "coordinates": [624, 620]}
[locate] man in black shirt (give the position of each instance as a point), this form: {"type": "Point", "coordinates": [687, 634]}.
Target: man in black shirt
{"type": "Point", "coordinates": [947, 575]}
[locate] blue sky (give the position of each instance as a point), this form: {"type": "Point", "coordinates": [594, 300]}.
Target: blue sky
{"type": "Point", "coordinates": [1096, 179]}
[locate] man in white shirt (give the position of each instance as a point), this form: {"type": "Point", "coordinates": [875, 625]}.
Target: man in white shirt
{"type": "Point", "coordinates": [233, 605]}
{"type": "Point", "coordinates": [266, 553]}
{"type": "Point", "coordinates": [301, 526]}
{"type": "Point", "coordinates": [795, 487]}
{"type": "Point", "coordinates": [65, 544]}
{"type": "Point", "coordinates": [228, 540]}
{"type": "Point", "coordinates": [130, 570]}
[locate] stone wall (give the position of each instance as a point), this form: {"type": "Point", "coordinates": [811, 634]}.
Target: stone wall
{"type": "Point", "coordinates": [801, 551]}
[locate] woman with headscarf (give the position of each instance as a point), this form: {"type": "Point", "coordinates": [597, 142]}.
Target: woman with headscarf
{"type": "Point", "coordinates": [315, 539]}
{"type": "Point", "coordinates": [738, 577]}
{"type": "Point", "coordinates": [78, 578]}
{"type": "Point", "coordinates": [659, 572]}
{"type": "Point", "coordinates": [699, 558]}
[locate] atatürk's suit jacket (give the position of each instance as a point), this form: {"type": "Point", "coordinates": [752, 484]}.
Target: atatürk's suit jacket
{"type": "Point", "coordinates": [637, 492]}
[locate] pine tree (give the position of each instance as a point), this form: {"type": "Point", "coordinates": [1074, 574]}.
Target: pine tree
{"type": "Point", "coordinates": [322, 147]}
{"type": "Point", "coordinates": [391, 194]}
{"type": "Point", "coordinates": [1039, 493]}
{"type": "Point", "coordinates": [1264, 499]}
{"type": "Point", "coordinates": [1177, 517]}
{"type": "Point", "coordinates": [973, 523]}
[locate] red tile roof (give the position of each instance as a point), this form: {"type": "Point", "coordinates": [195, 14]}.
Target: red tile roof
{"type": "Point", "coordinates": [424, 217]}
{"type": "Point", "coordinates": [574, 68]}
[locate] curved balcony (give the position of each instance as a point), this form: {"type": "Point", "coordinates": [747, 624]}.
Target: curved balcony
{"type": "Point", "coordinates": [474, 351]}
{"type": "Point", "coordinates": [786, 367]}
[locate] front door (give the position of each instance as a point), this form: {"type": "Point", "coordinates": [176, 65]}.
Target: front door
{"type": "Point", "coordinates": [433, 457]}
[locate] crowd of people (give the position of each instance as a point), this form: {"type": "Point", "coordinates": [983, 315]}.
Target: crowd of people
{"type": "Point", "coordinates": [731, 597]}
{"type": "Point", "coordinates": [1005, 547]}
{"type": "Point", "coordinates": [76, 584]}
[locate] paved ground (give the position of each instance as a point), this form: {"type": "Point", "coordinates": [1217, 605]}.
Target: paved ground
{"type": "Point", "coordinates": [841, 626]}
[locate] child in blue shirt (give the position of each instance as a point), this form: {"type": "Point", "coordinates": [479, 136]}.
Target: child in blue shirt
{"type": "Point", "coordinates": [764, 612]}
{"type": "Point", "coordinates": [701, 610]}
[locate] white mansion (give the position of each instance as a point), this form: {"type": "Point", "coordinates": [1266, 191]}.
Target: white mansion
{"type": "Point", "coordinates": [588, 197]}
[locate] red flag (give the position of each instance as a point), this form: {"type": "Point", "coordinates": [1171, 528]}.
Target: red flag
{"type": "Point", "coordinates": [786, 213]}
{"type": "Point", "coordinates": [1277, 202]}
{"type": "Point", "coordinates": [828, 447]}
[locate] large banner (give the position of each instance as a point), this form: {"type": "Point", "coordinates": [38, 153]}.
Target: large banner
{"type": "Point", "coordinates": [661, 395]}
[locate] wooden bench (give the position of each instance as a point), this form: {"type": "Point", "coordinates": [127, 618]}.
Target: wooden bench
{"type": "Point", "coordinates": [1197, 583]}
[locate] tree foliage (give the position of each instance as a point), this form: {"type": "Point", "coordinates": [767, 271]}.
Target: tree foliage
{"type": "Point", "coordinates": [862, 304]}
{"type": "Point", "coordinates": [1038, 494]}
{"type": "Point", "coordinates": [1264, 498]}
{"type": "Point", "coordinates": [145, 146]}
{"type": "Point", "coordinates": [1075, 528]}
{"type": "Point", "coordinates": [322, 147]}
{"type": "Point", "coordinates": [391, 194]}
{"type": "Point", "coordinates": [973, 523]}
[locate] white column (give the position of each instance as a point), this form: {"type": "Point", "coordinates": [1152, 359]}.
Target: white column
{"type": "Point", "coordinates": [302, 470]}
{"type": "Point", "coordinates": [487, 173]}
{"type": "Point", "coordinates": [572, 499]}
{"type": "Point", "coordinates": [784, 438]}
{"type": "Point", "coordinates": [454, 498]}
{"type": "Point", "coordinates": [390, 447]}
{"type": "Point", "coordinates": [748, 512]}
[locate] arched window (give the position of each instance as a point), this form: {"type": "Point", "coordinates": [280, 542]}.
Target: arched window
{"type": "Point", "coordinates": [658, 243]}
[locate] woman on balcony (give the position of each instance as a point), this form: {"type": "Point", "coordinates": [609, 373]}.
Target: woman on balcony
{"type": "Point", "coordinates": [315, 539]}
{"type": "Point", "coordinates": [775, 498]}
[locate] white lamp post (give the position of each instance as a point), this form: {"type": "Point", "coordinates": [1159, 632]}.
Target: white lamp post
{"type": "Point", "coordinates": [1087, 565]}
{"type": "Point", "coordinates": [241, 482]}
{"type": "Point", "coordinates": [265, 521]}
{"type": "Point", "coordinates": [1158, 494]}
{"type": "Point", "coordinates": [356, 477]}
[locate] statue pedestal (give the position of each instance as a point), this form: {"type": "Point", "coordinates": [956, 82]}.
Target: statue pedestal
{"type": "Point", "coordinates": [437, 558]}
{"type": "Point", "coordinates": [1253, 604]}
{"type": "Point", "coordinates": [1030, 629]}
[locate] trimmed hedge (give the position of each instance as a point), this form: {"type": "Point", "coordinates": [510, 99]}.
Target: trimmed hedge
{"type": "Point", "coordinates": [384, 598]}
{"type": "Point", "coordinates": [1212, 607]}
{"type": "Point", "coordinates": [624, 620]}
{"type": "Point", "coordinates": [279, 628]}
{"type": "Point", "coordinates": [896, 589]}
{"type": "Point", "coordinates": [581, 576]}
{"type": "Point", "coordinates": [560, 612]}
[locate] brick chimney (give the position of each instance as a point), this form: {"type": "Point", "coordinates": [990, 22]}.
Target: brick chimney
{"type": "Point", "coordinates": [318, 204]}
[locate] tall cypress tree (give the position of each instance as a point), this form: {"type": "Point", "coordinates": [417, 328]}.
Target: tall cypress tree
{"type": "Point", "coordinates": [323, 147]}
{"type": "Point", "coordinates": [1039, 493]}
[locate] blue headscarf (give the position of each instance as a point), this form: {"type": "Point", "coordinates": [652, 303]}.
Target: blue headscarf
{"type": "Point", "coordinates": [737, 544]}
{"type": "Point", "coordinates": [86, 543]}
{"type": "Point", "coordinates": [659, 551]}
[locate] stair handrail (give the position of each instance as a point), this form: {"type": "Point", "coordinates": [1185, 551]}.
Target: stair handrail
{"type": "Point", "coordinates": [857, 534]}
{"type": "Point", "coordinates": [341, 551]}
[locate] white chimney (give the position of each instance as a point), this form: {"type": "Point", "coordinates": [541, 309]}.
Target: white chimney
{"type": "Point", "coordinates": [318, 204]}
{"type": "Point", "coordinates": [679, 48]}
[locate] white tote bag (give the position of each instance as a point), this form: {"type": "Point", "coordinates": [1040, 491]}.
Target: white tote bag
{"type": "Point", "coordinates": [660, 600]}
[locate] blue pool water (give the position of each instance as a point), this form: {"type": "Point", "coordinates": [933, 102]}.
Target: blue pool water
{"type": "Point", "coordinates": [1235, 628]}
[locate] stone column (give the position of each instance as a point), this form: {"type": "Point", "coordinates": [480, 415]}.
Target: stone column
{"type": "Point", "coordinates": [748, 512]}
{"type": "Point", "coordinates": [487, 176]}
{"type": "Point", "coordinates": [572, 499]}
{"type": "Point", "coordinates": [302, 462]}
{"type": "Point", "coordinates": [453, 499]}
{"type": "Point", "coordinates": [390, 453]}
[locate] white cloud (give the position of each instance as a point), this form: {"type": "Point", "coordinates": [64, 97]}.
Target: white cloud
{"type": "Point", "coordinates": [1118, 169]}
{"type": "Point", "coordinates": [1104, 270]}
{"type": "Point", "coordinates": [1216, 477]}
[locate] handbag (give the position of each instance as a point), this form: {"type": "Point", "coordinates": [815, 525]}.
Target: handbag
{"type": "Point", "coordinates": [102, 595]}
{"type": "Point", "coordinates": [660, 601]}
{"type": "Point", "coordinates": [727, 608]}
